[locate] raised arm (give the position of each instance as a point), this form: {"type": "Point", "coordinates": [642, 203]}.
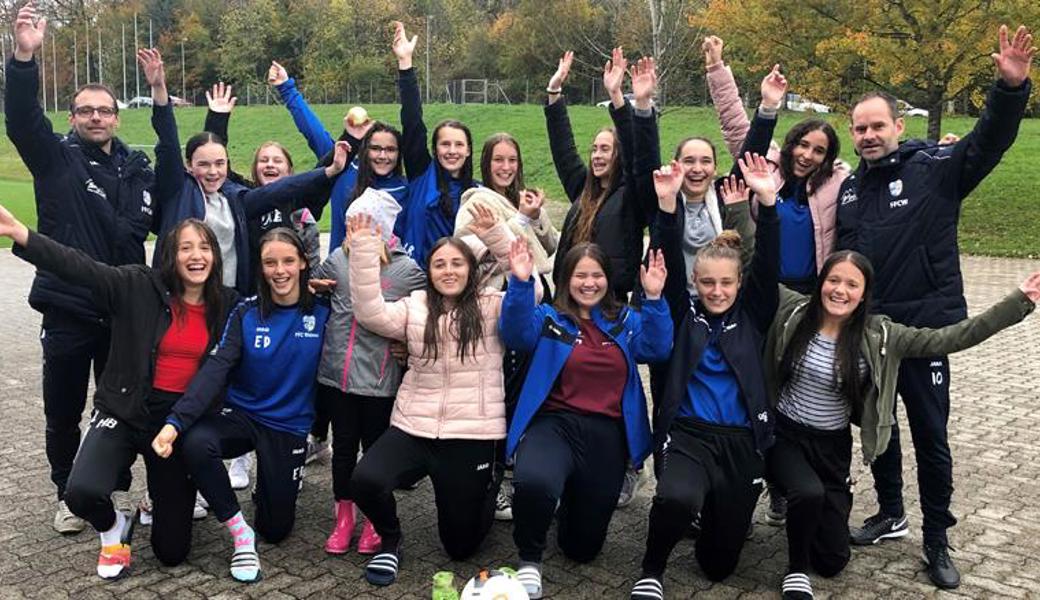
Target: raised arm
{"type": "Point", "coordinates": [735, 193]}
{"type": "Point", "coordinates": [647, 141]}
{"type": "Point", "coordinates": [388, 319]}
{"type": "Point", "coordinates": [532, 211]}
{"type": "Point", "coordinates": [169, 170]}
{"type": "Point", "coordinates": [725, 96]}
{"type": "Point", "coordinates": [307, 123]}
{"type": "Point", "coordinates": [666, 237]}
{"type": "Point", "coordinates": [653, 328]}
{"type": "Point", "coordinates": [414, 152]}
{"type": "Point", "coordinates": [761, 287]}
{"type": "Point", "coordinates": [520, 322]}
{"type": "Point", "coordinates": [220, 105]}
{"type": "Point", "coordinates": [979, 152]}
{"type": "Point", "coordinates": [1013, 308]}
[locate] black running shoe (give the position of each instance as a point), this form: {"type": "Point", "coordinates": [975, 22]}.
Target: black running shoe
{"type": "Point", "coordinates": [877, 528]}
{"type": "Point", "coordinates": [941, 569]}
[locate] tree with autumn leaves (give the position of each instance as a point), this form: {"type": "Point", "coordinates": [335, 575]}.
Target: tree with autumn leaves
{"type": "Point", "coordinates": [923, 51]}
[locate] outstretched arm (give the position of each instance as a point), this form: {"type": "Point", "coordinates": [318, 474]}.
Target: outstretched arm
{"type": "Point", "coordinates": [169, 170]}
{"type": "Point", "coordinates": [762, 285]}
{"type": "Point", "coordinates": [520, 320]}
{"type": "Point", "coordinates": [308, 190]}
{"type": "Point", "coordinates": [647, 140]}
{"type": "Point", "coordinates": [666, 236]}
{"type": "Point", "coordinates": [373, 312]}
{"type": "Point", "coordinates": [307, 123]}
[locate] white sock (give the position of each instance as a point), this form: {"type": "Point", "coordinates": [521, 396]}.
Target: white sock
{"type": "Point", "coordinates": [112, 536]}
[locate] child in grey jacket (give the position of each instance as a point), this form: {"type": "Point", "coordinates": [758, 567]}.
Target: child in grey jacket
{"type": "Point", "coordinates": [358, 377]}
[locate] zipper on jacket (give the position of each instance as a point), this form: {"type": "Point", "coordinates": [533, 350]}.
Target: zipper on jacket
{"type": "Point", "coordinates": [382, 367]}
{"type": "Point", "coordinates": [350, 352]}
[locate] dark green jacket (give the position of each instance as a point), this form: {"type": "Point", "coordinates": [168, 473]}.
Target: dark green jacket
{"type": "Point", "coordinates": [884, 345]}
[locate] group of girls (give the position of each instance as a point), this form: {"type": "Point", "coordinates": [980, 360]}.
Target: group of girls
{"type": "Point", "coordinates": [459, 272]}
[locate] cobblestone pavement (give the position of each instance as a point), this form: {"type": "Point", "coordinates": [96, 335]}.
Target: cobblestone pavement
{"type": "Point", "coordinates": [995, 434]}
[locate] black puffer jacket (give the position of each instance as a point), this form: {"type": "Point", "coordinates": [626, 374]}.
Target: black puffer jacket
{"type": "Point", "coordinates": [140, 309]}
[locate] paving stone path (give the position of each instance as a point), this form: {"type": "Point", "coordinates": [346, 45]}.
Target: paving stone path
{"type": "Point", "coordinates": [995, 434]}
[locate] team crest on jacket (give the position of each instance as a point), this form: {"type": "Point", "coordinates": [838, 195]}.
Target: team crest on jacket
{"type": "Point", "coordinates": [308, 322]}
{"type": "Point", "coordinates": [895, 187]}
{"type": "Point", "coordinates": [848, 197]}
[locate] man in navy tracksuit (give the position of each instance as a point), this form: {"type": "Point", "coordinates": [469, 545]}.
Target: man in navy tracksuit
{"type": "Point", "coordinates": [92, 193]}
{"type": "Point", "coordinates": [900, 208]}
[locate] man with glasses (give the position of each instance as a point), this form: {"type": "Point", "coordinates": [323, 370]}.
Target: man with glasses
{"type": "Point", "coordinates": [92, 193]}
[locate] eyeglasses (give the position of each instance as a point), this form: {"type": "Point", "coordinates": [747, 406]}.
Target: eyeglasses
{"type": "Point", "coordinates": [88, 111]}
{"type": "Point", "coordinates": [377, 150]}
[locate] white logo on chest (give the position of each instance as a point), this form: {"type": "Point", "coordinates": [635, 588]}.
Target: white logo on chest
{"type": "Point", "coordinates": [895, 187]}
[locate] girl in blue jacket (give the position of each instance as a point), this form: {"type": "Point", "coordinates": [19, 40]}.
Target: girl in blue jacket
{"type": "Point", "coordinates": [267, 358]}
{"type": "Point", "coordinates": [376, 145]}
{"type": "Point", "coordinates": [200, 188]}
{"type": "Point", "coordinates": [434, 186]}
{"type": "Point", "coordinates": [581, 416]}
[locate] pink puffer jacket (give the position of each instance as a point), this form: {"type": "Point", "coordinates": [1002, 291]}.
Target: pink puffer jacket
{"type": "Point", "coordinates": [445, 398]}
{"type": "Point", "coordinates": [823, 201]}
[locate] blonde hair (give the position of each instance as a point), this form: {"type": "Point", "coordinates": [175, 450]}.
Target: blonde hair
{"type": "Point", "coordinates": [726, 245]}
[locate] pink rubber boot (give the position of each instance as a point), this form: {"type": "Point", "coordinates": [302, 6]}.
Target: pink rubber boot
{"type": "Point", "coordinates": [369, 542]}
{"type": "Point", "coordinates": [339, 539]}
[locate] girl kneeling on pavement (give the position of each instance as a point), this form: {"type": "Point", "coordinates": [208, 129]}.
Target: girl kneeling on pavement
{"type": "Point", "coordinates": [581, 417]}
{"type": "Point", "coordinates": [832, 362]}
{"type": "Point", "coordinates": [714, 423]}
{"type": "Point", "coordinates": [268, 359]}
{"type": "Point", "coordinates": [358, 378]}
{"type": "Point", "coordinates": [184, 306]}
{"type": "Point", "coordinates": [449, 415]}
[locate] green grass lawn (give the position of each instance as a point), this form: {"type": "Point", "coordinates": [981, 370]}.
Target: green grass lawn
{"type": "Point", "coordinates": [1002, 217]}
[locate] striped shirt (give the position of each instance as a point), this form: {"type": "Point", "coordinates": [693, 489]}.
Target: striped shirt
{"type": "Point", "coordinates": [812, 396]}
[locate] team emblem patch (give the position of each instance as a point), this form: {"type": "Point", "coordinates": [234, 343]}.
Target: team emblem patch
{"type": "Point", "coordinates": [146, 198]}
{"type": "Point", "coordinates": [848, 197]}
{"type": "Point", "coordinates": [308, 322]}
{"type": "Point", "coordinates": [895, 187]}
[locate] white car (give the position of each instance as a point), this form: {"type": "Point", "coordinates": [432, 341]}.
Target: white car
{"type": "Point", "coordinates": [139, 102]}
{"type": "Point", "coordinates": [796, 103]}
{"type": "Point", "coordinates": [910, 111]}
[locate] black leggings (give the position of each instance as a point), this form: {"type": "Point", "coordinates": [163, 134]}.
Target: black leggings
{"type": "Point", "coordinates": [279, 468]}
{"type": "Point", "coordinates": [109, 449]}
{"type": "Point", "coordinates": [465, 480]}
{"type": "Point", "coordinates": [577, 461]}
{"type": "Point", "coordinates": [711, 470]}
{"type": "Point", "coordinates": [356, 420]}
{"type": "Point", "coordinates": [811, 468]}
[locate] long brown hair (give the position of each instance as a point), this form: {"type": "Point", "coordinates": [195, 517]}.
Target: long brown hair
{"type": "Point", "coordinates": [794, 137]}
{"type": "Point", "coordinates": [465, 322]}
{"type": "Point", "coordinates": [256, 158]}
{"type": "Point", "coordinates": [512, 193]}
{"type": "Point", "coordinates": [564, 303]}
{"type": "Point", "coordinates": [594, 193]}
{"type": "Point", "coordinates": [267, 305]}
{"type": "Point", "coordinates": [847, 378]}
{"type": "Point", "coordinates": [212, 294]}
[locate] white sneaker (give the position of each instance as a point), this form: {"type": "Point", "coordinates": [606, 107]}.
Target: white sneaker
{"type": "Point", "coordinates": [504, 501]}
{"type": "Point", "coordinates": [630, 487]}
{"type": "Point", "coordinates": [67, 523]}
{"type": "Point", "coordinates": [238, 471]}
{"type": "Point", "coordinates": [145, 510]}
{"type": "Point", "coordinates": [317, 449]}
{"type": "Point", "coordinates": [200, 507]}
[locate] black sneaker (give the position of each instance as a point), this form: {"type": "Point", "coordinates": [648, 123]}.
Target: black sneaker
{"type": "Point", "coordinates": [877, 528]}
{"type": "Point", "coordinates": [941, 569]}
{"type": "Point", "coordinates": [776, 514]}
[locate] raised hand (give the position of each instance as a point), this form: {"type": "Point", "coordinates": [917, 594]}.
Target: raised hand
{"type": "Point", "coordinates": [563, 69]}
{"type": "Point", "coordinates": [949, 139]}
{"type": "Point", "coordinates": [13, 228]}
{"type": "Point", "coordinates": [28, 32]}
{"type": "Point", "coordinates": [644, 81]}
{"type": "Point", "coordinates": [774, 86]}
{"type": "Point", "coordinates": [276, 74]}
{"type": "Point", "coordinates": [653, 274]}
{"type": "Point", "coordinates": [359, 227]}
{"type": "Point", "coordinates": [1015, 57]}
{"type": "Point", "coordinates": [339, 159]}
{"type": "Point", "coordinates": [531, 202]}
{"type": "Point", "coordinates": [483, 219]}
{"type": "Point", "coordinates": [521, 265]}
{"type": "Point", "coordinates": [321, 286]}
{"type": "Point", "coordinates": [734, 190]}
{"type": "Point", "coordinates": [667, 183]}
{"type": "Point", "coordinates": [357, 130]}
{"type": "Point", "coordinates": [614, 74]}
{"type": "Point", "coordinates": [152, 63]}
{"type": "Point", "coordinates": [220, 99]}
{"type": "Point", "coordinates": [163, 442]}
{"type": "Point", "coordinates": [712, 49]}
{"type": "Point", "coordinates": [756, 173]}
{"type": "Point", "coordinates": [403, 47]}
{"type": "Point", "coordinates": [1031, 287]}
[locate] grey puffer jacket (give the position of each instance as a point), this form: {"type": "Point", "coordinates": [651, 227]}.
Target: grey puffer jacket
{"type": "Point", "coordinates": [353, 359]}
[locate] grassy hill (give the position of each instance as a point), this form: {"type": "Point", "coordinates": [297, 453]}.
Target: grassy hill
{"type": "Point", "coordinates": [1002, 217]}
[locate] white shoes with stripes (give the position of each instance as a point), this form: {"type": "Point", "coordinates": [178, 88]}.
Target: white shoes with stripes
{"type": "Point", "coordinates": [530, 576]}
{"type": "Point", "coordinates": [797, 587]}
{"type": "Point", "coordinates": [648, 588]}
